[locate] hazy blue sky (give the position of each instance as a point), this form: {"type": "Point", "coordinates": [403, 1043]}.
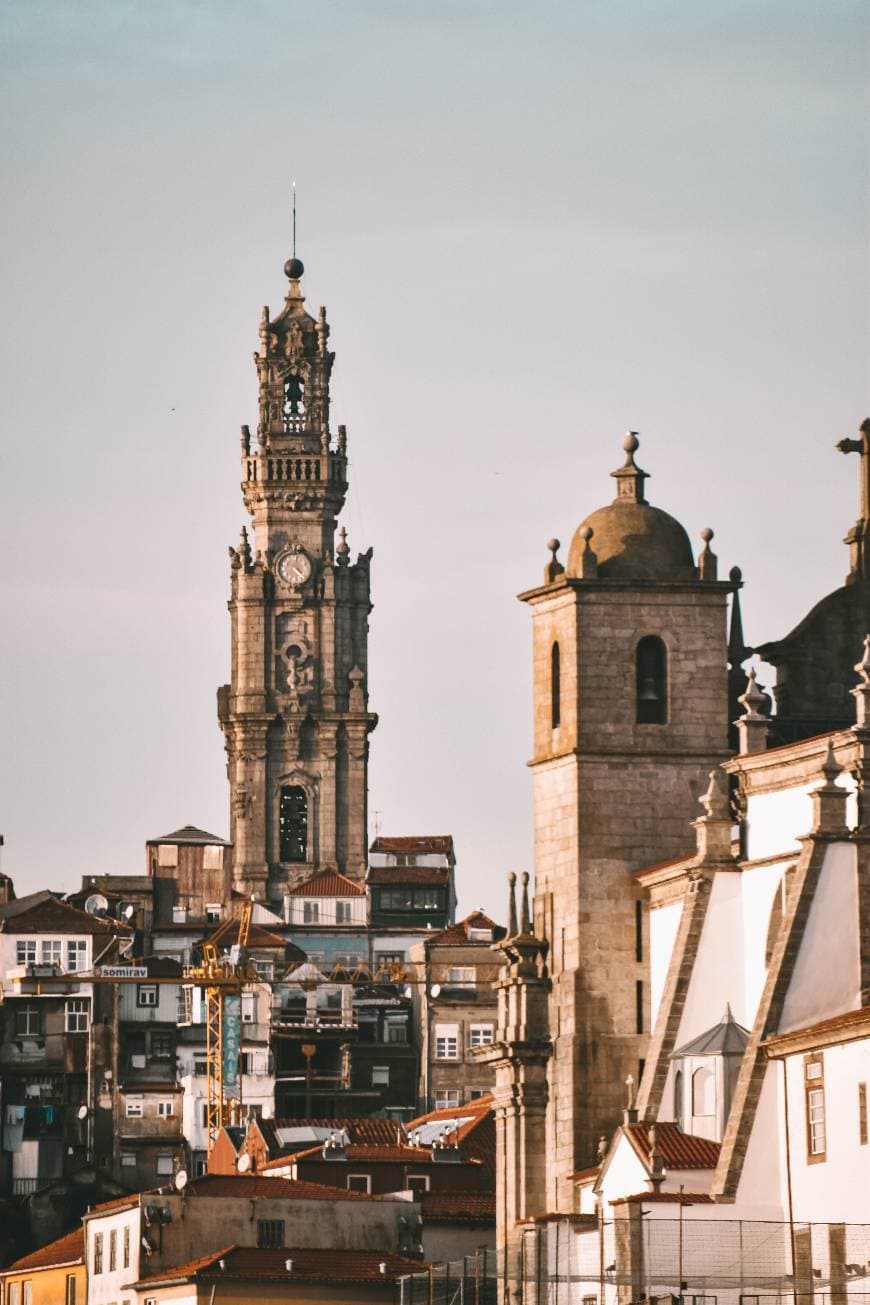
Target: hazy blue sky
{"type": "Point", "coordinates": [534, 226]}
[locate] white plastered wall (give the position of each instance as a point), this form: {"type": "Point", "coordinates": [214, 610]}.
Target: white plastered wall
{"type": "Point", "coordinates": [664, 921]}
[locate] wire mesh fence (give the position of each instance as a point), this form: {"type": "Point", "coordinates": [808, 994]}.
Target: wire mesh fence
{"type": "Point", "coordinates": [473, 1280]}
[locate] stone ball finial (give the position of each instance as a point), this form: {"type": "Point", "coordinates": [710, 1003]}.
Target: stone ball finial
{"type": "Point", "coordinates": [512, 879]}
{"type": "Point", "coordinates": [554, 545]}
{"type": "Point", "coordinates": [631, 443]}
{"type": "Point", "coordinates": [586, 532]}
{"type": "Point", "coordinates": [735, 575]}
{"type": "Point", "coordinates": [293, 269]}
{"type": "Point", "coordinates": [706, 534]}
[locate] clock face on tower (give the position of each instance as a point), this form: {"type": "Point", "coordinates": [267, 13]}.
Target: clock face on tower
{"type": "Point", "coordinates": [294, 567]}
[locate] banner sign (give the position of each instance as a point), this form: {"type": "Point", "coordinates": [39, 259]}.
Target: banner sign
{"type": "Point", "coordinates": [232, 1026]}
{"type": "Point", "coordinates": [123, 971]}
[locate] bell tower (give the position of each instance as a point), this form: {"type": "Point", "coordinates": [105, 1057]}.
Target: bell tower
{"type": "Point", "coordinates": [630, 716]}
{"type": "Point", "coordinates": [295, 715]}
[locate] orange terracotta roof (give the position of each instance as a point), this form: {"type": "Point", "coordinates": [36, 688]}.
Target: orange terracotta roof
{"type": "Point", "coordinates": [408, 874]}
{"type": "Point", "coordinates": [372, 1131]}
{"type": "Point", "coordinates": [677, 1149]}
{"type": "Point", "coordinates": [664, 1198]}
{"type": "Point", "coordinates": [66, 1250]}
{"type": "Point", "coordinates": [329, 883]}
{"type": "Point", "coordinates": [422, 843]}
{"type": "Point", "coordinates": [851, 1020]}
{"type": "Point", "coordinates": [457, 934]}
{"type": "Point", "coordinates": [55, 916]}
{"type": "Point", "coordinates": [117, 1203]}
{"type": "Point", "coordinates": [458, 1207]}
{"type": "Point", "coordinates": [379, 1154]}
{"type": "Point", "coordinates": [310, 1264]}
{"type": "Point", "coordinates": [244, 1185]}
{"type": "Point", "coordinates": [476, 1136]}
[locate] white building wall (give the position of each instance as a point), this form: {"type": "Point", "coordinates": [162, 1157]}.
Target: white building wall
{"type": "Point", "coordinates": [664, 922]}
{"type": "Point", "coordinates": [827, 975]}
{"type": "Point", "coordinates": [717, 976]}
{"type": "Point", "coordinates": [108, 1288]}
{"type": "Point", "coordinates": [760, 886]}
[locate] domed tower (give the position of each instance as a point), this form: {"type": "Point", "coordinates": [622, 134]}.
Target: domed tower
{"type": "Point", "coordinates": [630, 715]}
{"type": "Point", "coordinates": [295, 715]}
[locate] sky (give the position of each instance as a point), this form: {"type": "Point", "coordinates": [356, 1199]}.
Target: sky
{"type": "Point", "coordinates": [534, 226]}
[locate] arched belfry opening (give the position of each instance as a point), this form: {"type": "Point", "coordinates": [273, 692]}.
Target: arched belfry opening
{"type": "Point", "coordinates": [651, 662]}
{"type": "Point", "coordinates": [293, 823]}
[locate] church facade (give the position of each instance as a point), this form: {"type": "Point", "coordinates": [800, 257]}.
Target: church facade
{"type": "Point", "coordinates": [295, 714]}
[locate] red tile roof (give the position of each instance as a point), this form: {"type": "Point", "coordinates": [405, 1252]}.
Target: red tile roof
{"type": "Point", "coordinates": [476, 1136]}
{"type": "Point", "coordinates": [55, 916]}
{"type": "Point", "coordinates": [118, 1203]}
{"type": "Point", "coordinates": [457, 934]}
{"type": "Point", "coordinates": [677, 1149]}
{"type": "Point", "coordinates": [408, 874]}
{"type": "Point", "coordinates": [291, 1189]}
{"type": "Point", "coordinates": [373, 1131]}
{"type": "Point", "coordinates": [422, 843]}
{"type": "Point", "coordinates": [458, 1207]}
{"type": "Point", "coordinates": [310, 1264]}
{"type": "Point", "coordinates": [379, 1154]}
{"type": "Point", "coordinates": [66, 1250]}
{"type": "Point", "coordinates": [329, 883]}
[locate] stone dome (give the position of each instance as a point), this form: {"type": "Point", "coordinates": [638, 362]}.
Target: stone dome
{"type": "Point", "coordinates": [631, 539]}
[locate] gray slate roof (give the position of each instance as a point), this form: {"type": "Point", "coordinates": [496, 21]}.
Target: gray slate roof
{"type": "Point", "coordinates": [727, 1038]}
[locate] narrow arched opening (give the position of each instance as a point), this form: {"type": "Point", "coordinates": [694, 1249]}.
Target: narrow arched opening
{"type": "Point", "coordinates": [293, 823]}
{"type": "Point", "coordinates": [555, 687]}
{"type": "Point", "coordinates": [651, 664]}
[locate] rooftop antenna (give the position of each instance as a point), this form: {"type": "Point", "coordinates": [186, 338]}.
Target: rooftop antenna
{"type": "Point", "coordinates": [294, 219]}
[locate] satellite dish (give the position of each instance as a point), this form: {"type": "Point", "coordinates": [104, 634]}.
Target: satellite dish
{"type": "Point", "coordinates": [435, 990]}
{"type": "Point", "coordinates": [243, 1163]}
{"type": "Point", "coordinates": [82, 1112]}
{"type": "Point", "coordinates": [180, 1180]}
{"type": "Point", "coordinates": [129, 911]}
{"type": "Point", "coordinates": [96, 904]}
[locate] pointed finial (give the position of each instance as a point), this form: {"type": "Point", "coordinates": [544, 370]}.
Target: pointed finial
{"type": "Point", "coordinates": [753, 725]}
{"type": "Point", "coordinates": [588, 559]}
{"type": "Point", "coordinates": [715, 800]}
{"type": "Point", "coordinates": [863, 666]}
{"type": "Point", "coordinates": [707, 561]}
{"type": "Point", "coordinates": [831, 768]}
{"type": "Point", "coordinates": [728, 1018]}
{"type": "Point", "coordinates": [525, 918]}
{"type": "Point", "coordinates": [512, 905]}
{"type": "Point", "coordinates": [554, 567]}
{"type": "Point", "coordinates": [737, 650]}
{"type": "Point", "coordinates": [629, 478]}
{"type": "Point", "coordinates": [343, 547]}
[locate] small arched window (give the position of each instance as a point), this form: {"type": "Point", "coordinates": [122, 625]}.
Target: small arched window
{"type": "Point", "coordinates": [555, 687]}
{"type": "Point", "coordinates": [703, 1093]}
{"type": "Point", "coordinates": [293, 824]}
{"type": "Point", "coordinates": [678, 1097]}
{"type": "Point", "coordinates": [652, 681]}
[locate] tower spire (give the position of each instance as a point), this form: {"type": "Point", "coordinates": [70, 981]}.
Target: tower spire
{"type": "Point", "coordinates": [858, 535]}
{"type": "Point", "coordinates": [294, 221]}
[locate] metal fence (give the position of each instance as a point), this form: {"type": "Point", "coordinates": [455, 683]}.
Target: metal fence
{"type": "Point", "coordinates": [473, 1280]}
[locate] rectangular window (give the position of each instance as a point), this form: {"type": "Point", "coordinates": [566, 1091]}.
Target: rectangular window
{"type": "Point", "coordinates": [474, 1094]}
{"type": "Point", "coordinates": [397, 1030]}
{"type": "Point", "coordinates": [134, 1108]}
{"type": "Point", "coordinates": [25, 953]}
{"type": "Point", "coordinates": [199, 1063]}
{"type": "Point", "coordinates": [446, 1098]}
{"type": "Point", "coordinates": [248, 1007]}
{"type": "Point", "coordinates": [164, 1164]}
{"type": "Point", "coordinates": [28, 1021]}
{"type": "Point", "coordinates": [161, 1046]}
{"type": "Point", "coordinates": [466, 975]}
{"type": "Point", "coordinates": [480, 1035]}
{"type": "Point", "coordinates": [292, 823]}
{"type": "Point", "coordinates": [638, 931]}
{"type": "Point", "coordinates": [249, 1062]}
{"type": "Point", "coordinates": [359, 1183]}
{"type": "Point", "coordinates": [113, 1250]}
{"type": "Point", "coordinates": [418, 1183]}
{"type": "Point", "coordinates": [447, 1042]}
{"type": "Point", "coordinates": [862, 1114]}
{"type": "Point", "coordinates": [342, 912]}
{"type": "Point", "coordinates": [638, 1004]}
{"type": "Point", "coordinates": [167, 854]}
{"type": "Point", "coordinates": [27, 1292]}
{"type": "Point", "coordinates": [264, 969]}
{"type": "Point", "coordinates": [70, 1294]}
{"type": "Point", "coordinates": [76, 955]}
{"type": "Point", "coordinates": [380, 1075]}
{"type": "Point", "coordinates": [270, 1233]}
{"type": "Point", "coordinates": [128, 1159]}
{"type": "Point", "coordinates": [76, 1015]}
{"type": "Point", "coordinates": [814, 1093]}
{"type": "Point", "coordinates": [212, 857]}
{"type": "Point", "coordinates": [126, 1246]}
{"type": "Point", "coordinates": [98, 1254]}
{"type": "Point", "coordinates": [310, 912]}
{"type": "Point", "coordinates": [146, 994]}
{"type": "Point", "coordinates": [165, 1109]}
{"type": "Point", "coordinates": [179, 915]}
{"type": "Point", "coordinates": [14, 1293]}
{"type": "Point", "coordinates": [389, 958]}
{"type": "Point", "coordinates": [50, 951]}
{"type": "Point", "coordinates": [213, 913]}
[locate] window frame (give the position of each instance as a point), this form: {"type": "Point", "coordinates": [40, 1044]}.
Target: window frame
{"type": "Point", "coordinates": [476, 1029]}
{"type": "Point", "coordinates": [358, 1178]}
{"type": "Point", "coordinates": [270, 1234]}
{"type": "Point", "coordinates": [293, 825]}
{"type": "Point", "coordinates": [443, 1042]}
{"type": "Point", "coordinates": [25, 951]}
{"type": "Point", "coordinates": [134, 1108]}
{"type": "Point", "coordinates": [97, 1254]}
{"type": "Point", "coordinates": [814, 1087]}
{"type": "Point", "coordinates": [28, 1013]}
{"type": "Point", "coordinates": [164, 1163]}
{"type": "Point", "coordinates": [446, 1105]}
{"type": "Point", "coordinates": [144, 993]}
{"type": "Point", "coordinates": [423, 1179]}
{"type": "Point", "coordinates": [72, 1017]}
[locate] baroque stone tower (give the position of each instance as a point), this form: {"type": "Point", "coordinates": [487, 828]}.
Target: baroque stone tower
{"type": "Point", "coordinates": [295, 716]}
{"type": "Point", "coordinates": [630, 715]}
